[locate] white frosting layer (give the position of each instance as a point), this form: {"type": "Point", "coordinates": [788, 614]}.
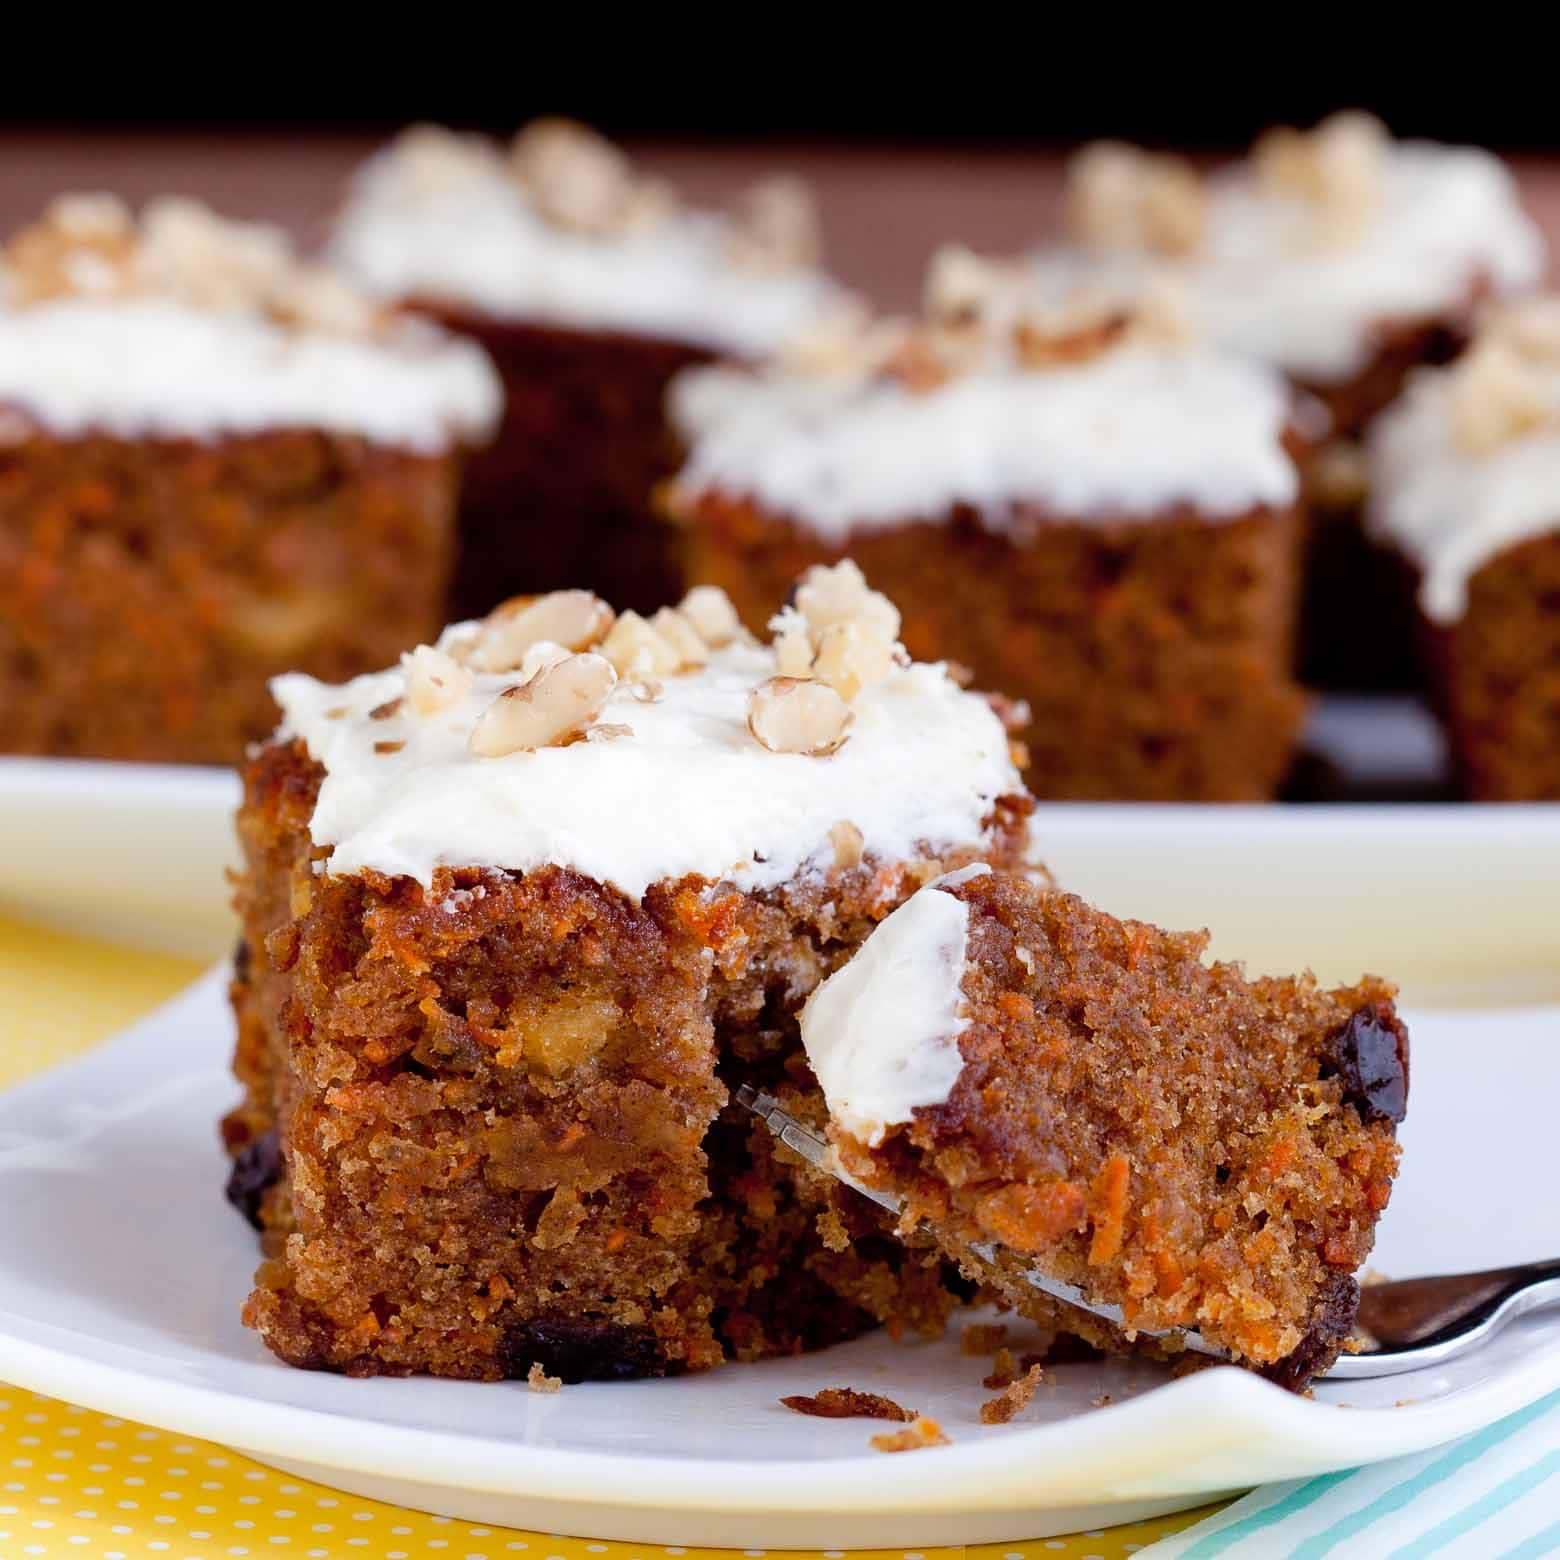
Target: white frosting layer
{"type": "Point", "coordinates": [687, 790]}
{"type": "Point", "coordinates": [1133, 432]}
{"type": "Point", "coordinates": [882, 1032]}
{"type": "Point", "coordinates": [1450, 216]}
{"type": "Point", "coordinates": [149, 367]}
{"type": "Point", "coordinates": [1449, 510]}
{"type": "Point", "coordinates": [477, 243]}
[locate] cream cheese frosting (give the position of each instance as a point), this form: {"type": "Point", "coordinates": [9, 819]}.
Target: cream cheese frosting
{"type": "Point", "coordinates": [1448, 222]}
{"type": "Point", "coordinates": [1134, 431]}
{"type": "Point", "coordinates": [471, 238]}
{"type": "Point", "coordinates": [882, 1033]}
{"type": "Point", "coordinates": [153, 366]}
{"type": "Point", "coordinates": [1452, 509]}
{"type": "Point", "coordinates": [680, 786]}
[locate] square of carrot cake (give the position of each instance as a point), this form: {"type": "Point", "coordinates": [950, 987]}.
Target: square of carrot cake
{"type": "Point", "coordinates": [216, 464]}
{"type": "Point", "coordinates": [1071, 497]}
{"type": "Point", "coordinates": [590, 284]}
{"type": "Point", "coordinates": [1465, 478]}
{"type": "Point", "coordinates": [519, 914]}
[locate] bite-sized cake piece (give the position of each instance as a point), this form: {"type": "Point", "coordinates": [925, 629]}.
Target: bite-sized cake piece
{"type": "Point", "coordinates": [517, 914]}
{"type": "Point", "coordinates": [216, 464]}
{"type": "Point", "coordinates": [1088, 510]}
{"type": "Point", "coordinates": [1198, 1149]}
{"type": "Point", "coordinates": [1465, 474]}
{"type": "Point", "coordinates": [591, 286]}
{"type": "Point", "coordinates": [1343, 258]}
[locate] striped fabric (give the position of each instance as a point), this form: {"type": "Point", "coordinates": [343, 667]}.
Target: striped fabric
{"type": "Point", "coordinates": [1494, 1495]}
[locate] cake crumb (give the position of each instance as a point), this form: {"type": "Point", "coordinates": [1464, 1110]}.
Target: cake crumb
{"type": "Point", "coordinates": [1003, 1371]}
{"type": "Point", "coordinates": [848, 1403]}
{"type": "Point", "coordinates": [537, 1379]}
{"type": "Point", "coordinates": [1013, 1399]}
{"type": "Point", "coordinates": [924, 1432]}
{"type": "Point", "coordinates": [982, 1337]}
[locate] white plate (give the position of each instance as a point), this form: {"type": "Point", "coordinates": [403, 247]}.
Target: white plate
{"type": "Point", "coordinates": [121, 1274]}
{"type": "Point", "coordinates": [1458, 903]}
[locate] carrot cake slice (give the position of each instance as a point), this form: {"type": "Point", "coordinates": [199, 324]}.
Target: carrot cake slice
{"type": "Point", "coordinates": [591, 285]}
{"type": "Point", "coordinates": [216, 464]}
{"type": "Point", "coordinates": [1343, 258]}
{"type": "Point", "coordinates": [519, 912]}
{"type": "Point", "coordinates": [1195, 1148]}
{"type": "Point", "coordinates": [1072, 498]}
{"type": "Point", "coordinates": [1466, 491]}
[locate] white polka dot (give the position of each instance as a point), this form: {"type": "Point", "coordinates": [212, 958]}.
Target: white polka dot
{"type": "Point", "coordinates": [368, 1516]}
{"type": "Point", "coordinates": [396, 1554]}
{"type": "Point", "coordinates": [135, 1481]}
{"type": "Point", "coordinates": [254, 1475]}
{"type": "Point", "coordinates": [147, 1435]}
{"type": "Point", "coordinates": [438, 1543]}
{"type": "Point", "coordinates": [480, 1532]}
{"type": "Point", "coordinates": [282, 1513]}
{"type": "Point", "coordinates": [39, 1522]}
{"type": "Point", "coordinates": [199, 1533]}
{"type": "Point", "coordinates": [517, 1543]}
{"type": "Point", "coordinates": [280, 1538]}
{"type": "Point", "coordinates": [327, 1502]}
{"type": "Point", "coordinates": [128, 1505]}
{"type": "Point", "coordinates": [238, 1549]}
{"type": "Point", "coordinates": [396, 1530]}
{"type": "Point", "coordinates": [164, 1518]}
{"type": "Point", "coordinates": [242, 1523]}
{"type": "Point", "coordinates": [85, 1516]}
{"type": "Point", "coordinates": [119, 1527]}
{"type": "Point", "coordinates": [157, 1543]}
{"type": "Point", "coordinates": [441, 1521]}
{"type": "Point", "coordinates": [249, 1500]}
{"type": "Point", "coordinates": [78, 1538]}
{"type": "Point", "coordinates": [219, 1462]}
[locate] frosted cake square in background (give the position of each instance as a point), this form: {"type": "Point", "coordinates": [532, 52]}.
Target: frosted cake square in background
{"type": "Point", "coordinates": [216, 464]}
{"type": "Point", "coordinates": [591, 285]}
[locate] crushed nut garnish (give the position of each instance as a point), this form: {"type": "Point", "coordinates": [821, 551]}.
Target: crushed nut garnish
{"type": "Point", "coordinates": [848, 1403]}
{"type": "Point", "coordinates": [574, 619]}
{"type": "Point", "coordinates": [434, 680]}
{"type": "Point", "coordinates": [682, 636]}
{"type": "Point", "coordinates": [1338, 170]}
{"type": "Point", "coordinates": [849, 846]}
{"type": "Point", "coordinates": [774, 228]}
{"type": "Point", "coordinates": [637, 649]}
{"type": "Point", "coordinates": [608, 731]}
{"type": "Point", "coordinates": [923, 1433]}
{"type": "Point", "coordinates": [796, 715]}
{"type": "Point", "coordinates": [1120, 197]}
{"type": "Point", "coordinates": [840, 594]}
{"type": "Point", "coordinates": [537, 1379]}
{"type": "Point", "coordinates": [1508, 384]}
{"type": "Point", "coordinates": [1012, 1401]}
{"type": "Point", "coordinates": [558, 702]}
{"type": "Point", "coordinates": [386, 711]}
{"type": "Point", "coordinates": [982, 1337]}
{"type": "Point", "coordinates": [389, 747]}
{"type": "Point", "coordinates": [852, 656]}
{"type": "Point", "coordinates": [708, 608]}
{"type": "Point", "coordinates": [648, 691]}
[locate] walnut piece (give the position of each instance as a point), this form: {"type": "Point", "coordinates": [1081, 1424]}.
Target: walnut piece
{"type": "Point", "coordinates": [682, 636]}
{"type": "Point", "coordinates": [708, 608]}
{"type": "Point", "coordinates": [1497, 395]}
{"type": "Point", "coordinates": [849, 845]}
{"type": "Point", "coordinates": [840, 594]}
{"type": "Point", "coordinates": [1338, 170]}
{"type": "Point", "coordinates": [581, 183]}
{"type": "Point", "coordinates": [853, 655]}
{"type": "Point", "coordinates": [575, 619]}
{"type": "Point", "coordinates": [1120, 197]}
{"type": "Point", "coordinates": [795, 715]}
{"type": "Point", "coordinates": [428, 160]}
{"type": "Point", "coordinates": [82, 245]}
{"type": "Point", "coordinates": [775, 228]}
{"type": "Point", "coordinates": [557, 703]}
{"type": "Point", "coordinates": [637, 649]}
{"type": "Point", "coordinates": [434, 680]}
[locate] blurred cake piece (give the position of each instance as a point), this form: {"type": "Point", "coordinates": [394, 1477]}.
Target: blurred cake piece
{"type": "Point", "coordinates": [1200, 1150]}
{"type": "Point", "coordinates": [591, 285]}
{"type": "Point", "coordinates": [1069, 496]}
{"type": "Point", "coordinates": [1465, 477]}
{"type": "Point", "coordinates": [1343, 258]}
{"type": "Point", "coordinates": [216, 464]}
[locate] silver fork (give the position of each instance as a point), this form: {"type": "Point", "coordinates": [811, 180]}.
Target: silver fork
{"type": "Point", "coordinates": [1411, 1325]}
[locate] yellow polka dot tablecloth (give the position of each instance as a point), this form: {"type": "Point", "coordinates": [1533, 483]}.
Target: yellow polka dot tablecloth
{"type": "Point", "coordinates": [78, 1485]}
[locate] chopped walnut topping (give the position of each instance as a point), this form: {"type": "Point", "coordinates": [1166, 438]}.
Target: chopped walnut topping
{"type": "Point", "coordinates": [648, 691]}
{"type": "Point", "coordinates": [708, 608]}
{"type": "Point", "coordinates": [428, 160]}
{"type": "Point", "coordinates": [793, 715]}
{"type": "Point", "coordinates": [961, 285]}
{"type": "Point", "coordinates": [775, 228]}
{"type": "Point", "coordinates": [1338, 170]}
{"type": "Point", "coordinates": [924, 1432]}
{"type": "Point", "coordinates": [386, 711]}
{"type": "Point", "coordinates": [793, 646]}
{"type": "Point", "coordinates": [608, 731]}
{"type": "Point", "coordinates": [682, 636]}
{"type": "Point", "coordinates": [1012, 1401]}
{"type": "Point", "coordinates": [537, 1379]}
{"type": "Point", "coordinates": [848, 1403]}
{"type": "Point", "coordinates": [434, 680]}
{"type": "Point", "coordinates": [581, 183]}
{"type": "Point", "coordinates": [384, 748]}
{"type": "Point", "coordinates": [91, 246]}
{"type": "Point", "coordinates": [637, 649]}
{"type": "Point", "coordinates": [1497, 396]}
{"type": "Point", "coordinates": [560, 701]}
{"type": "Point", "coordinates": [1119, 197]}
{"type": "Point", "coordinates": [852, 656]}
{"type": "Point", "coordinates": [849, 845]}
{"type": "Point", "coordinates": [1529, 326]}
{"type": "Point", "coordinates": [840, 594]}
{"type": "Point", "coordinates": [845, 342]}
{"type": "Point", "coordinates": [574, 619]}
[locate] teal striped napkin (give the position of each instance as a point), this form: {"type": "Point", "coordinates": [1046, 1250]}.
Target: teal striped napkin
{"type": "Point", "coordinates": [1494, 1495]}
